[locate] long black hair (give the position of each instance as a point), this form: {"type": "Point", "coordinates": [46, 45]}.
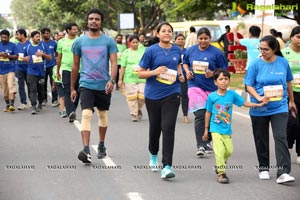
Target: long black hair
{"type": "Point", "coordinates": [272, 43]}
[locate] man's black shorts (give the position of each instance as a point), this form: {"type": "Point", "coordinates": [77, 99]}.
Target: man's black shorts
{"type": "Point", "coordinates": [94, 98]}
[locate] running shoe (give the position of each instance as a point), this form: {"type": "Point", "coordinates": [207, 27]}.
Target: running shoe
{"type": "Point", "coordinates": [264, 175]}
{"type": "Point", "coordinates": [200, 152]}
{"type": "Point", "coordinates": [101, 152]}
{"type": "Point", "coordinates": [85, 157]}
{"type": "Point", "coordinates": [153, 163]}
{"type": "Point", "coordinates": [222, 178]}
{"type": "Point", "coordinates": [11, 108]}
{"type": "Point", "coordinates": [167, 172]}
{"type": "Point", "coordinates": [22, 107]}
{"type": "Point", "coordinates": [285, 178]}
{"type": "Point", "coordinates": [72, 117]}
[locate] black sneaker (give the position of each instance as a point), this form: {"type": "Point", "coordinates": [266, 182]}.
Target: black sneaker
{"type": "Point", "coordinates": [85, 157]}
{"type": "Point", "coordinates": [101, 152]}
{"type": "Point", "coordinates": [222, 178]}
{"type": "Point", "coordinates": [72, 117]}
{"type": "Point", "coordinates": [40, 107]}
{"type": "Point", "coordinates": [34, 110]}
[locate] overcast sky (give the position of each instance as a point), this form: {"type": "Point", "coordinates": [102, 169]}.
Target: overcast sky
{"type": "Point", "coordinates": [4, 6]}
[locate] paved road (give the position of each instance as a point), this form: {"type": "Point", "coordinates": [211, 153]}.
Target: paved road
{"type": "Point", "coordinates": [39, 162]}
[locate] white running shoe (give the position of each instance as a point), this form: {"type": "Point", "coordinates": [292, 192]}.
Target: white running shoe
{"type": "Point", "coordinates": [298, 160]}
{"type": "Point", "coordinates": [285, 178]}
{"type": "Point", "coordinates": [264, 175]}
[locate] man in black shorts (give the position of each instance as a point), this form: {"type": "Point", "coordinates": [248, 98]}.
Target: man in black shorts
{"type": "Point", "coordinates": [94, 51]}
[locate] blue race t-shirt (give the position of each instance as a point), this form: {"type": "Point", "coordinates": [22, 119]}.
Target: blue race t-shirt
{"type": "Point", "coordinates": [94, 55]}
{"type": "Point", "coordinates": [196, 59]}
{"type": "Point", "coordinates": [36, 65]}
{"type": "Point", "coordinates": [252, 45]}
{"type": "Point", "coordinates": [154, 57]}
{"type": "Point", "coordinates": [221, 110]}
{"type": "Point", "coordinates": [52, 45]}
{"type": "Point", "coordinates": [20, 64]}
{"type": "Point", "coordinates": [271, 77]}
{"type": "Point", "coordinates": [7, 65]}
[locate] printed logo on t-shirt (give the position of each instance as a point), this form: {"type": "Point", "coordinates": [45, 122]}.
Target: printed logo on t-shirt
{"type": "Point", "coordinates": [222, 115]}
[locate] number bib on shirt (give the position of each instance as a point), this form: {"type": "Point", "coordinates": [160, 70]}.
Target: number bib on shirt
{"type": "Point", "coordinates": [167, 78]}
{"type": "Point", "coordinates": [274, 92]}
{"type": "Point", "coordinates": [200, 67]}
{"type": "Point", "coordinates": [119, 55]}
{"type": "Point", "coordinates": [297, 80]}
{"type": "Point", "coordinates": [4, 59]}
{"type": "Point", "coordinates": [135, 69]}
{"type": "Point", "coordinates": [37, 59]}
{"type": "Point", "coordinates": [20, 56]}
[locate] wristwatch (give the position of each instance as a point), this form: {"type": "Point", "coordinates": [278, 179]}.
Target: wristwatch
{"type": "Point", "coordinates": [113, 81]}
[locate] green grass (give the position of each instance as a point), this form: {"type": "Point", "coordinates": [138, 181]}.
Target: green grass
{"type": "Point", "coordinates": [237, 81]}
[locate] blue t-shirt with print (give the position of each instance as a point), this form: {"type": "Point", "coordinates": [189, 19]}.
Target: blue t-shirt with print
{"type": "Point", "coordinates": [20, 64]}
{"type": "Point", "coordinates": [94, 54]}
{"type": "Point", "coordinates": [252, 45]}
{"type": "Point", "coordinates": [7, 65]}
{"type": "Point", "coordinates": [52, 45]}
{"type": "Point", "coordinates": [36, 67]}
{"type": "Point", "coordinates": [220, 108]}
{"type": "Point", "coordinates": [261, 74]}
{"type": "Point", "coordinates": [154, 57]}
{"type": "Point", "coordinates": [215, 59]}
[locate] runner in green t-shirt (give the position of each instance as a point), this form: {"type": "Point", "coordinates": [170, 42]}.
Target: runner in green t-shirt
{"type": "Point", "coordinates": [64, 64]}
{"type": "Point", "coordinates": [121, 48]}
{"type": "Point", "coordinates": [134, 87]}
{"type": "Point", "coordinates": [57, 84]}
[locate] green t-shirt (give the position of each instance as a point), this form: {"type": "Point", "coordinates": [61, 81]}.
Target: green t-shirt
{"type": "Point", "coordinates": [64, 47]}
{"type": "Point", "coordinates": [130, 60]}
{"type": "Point", "coordinates": [54, 75]}
{"type": "Point", "coordinates": [121, 49]}
{"type": "Point", "coordinates": [294, 62]}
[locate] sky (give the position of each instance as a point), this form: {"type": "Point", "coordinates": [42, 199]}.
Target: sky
{"type": "Point", "coordinates": [4, 6]}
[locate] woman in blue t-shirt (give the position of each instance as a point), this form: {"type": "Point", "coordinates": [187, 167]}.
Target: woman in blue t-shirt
{"type": "Point", "coordinates": [160, 65]}
{"type": "Point", "coordinates": [199, 62]}
{"type": "Point", "coordinates": [269, 80]}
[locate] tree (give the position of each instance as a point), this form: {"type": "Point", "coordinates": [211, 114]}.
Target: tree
{"type": "Point", "coordinates": [4, 23]}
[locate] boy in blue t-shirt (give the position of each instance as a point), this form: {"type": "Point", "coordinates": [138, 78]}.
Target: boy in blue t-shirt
{"type": "Point", "coordinates": [218, 120]}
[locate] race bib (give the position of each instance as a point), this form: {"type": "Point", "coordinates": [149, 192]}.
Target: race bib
{"type": "Point", "coordinates": [169, 77]}
{"type": "Point", "coordinates": [37, 59]}
{"type": "Point", "coordinates": [119, 55]}
{"type": "Point", "coordinates": [4, 59]}
{"type": "Point", "coordinates": [297, 80]}
{"type": "Point", "coordinates": [200, 67]}
{"type": "Point", "coordinates": [135, 69]}
{"type": "Point", "coordinates": [21, 56]}
{"type": "Point", "coordinates": [274, 92]}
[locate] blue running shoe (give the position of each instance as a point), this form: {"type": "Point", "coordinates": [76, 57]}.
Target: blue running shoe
{"type": "Point", "coordinates": [153, 164]}
{"type": "Point", "coordinates": [167, 172]}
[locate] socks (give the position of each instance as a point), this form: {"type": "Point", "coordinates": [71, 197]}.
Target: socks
{"type": "Point", "coordinates": [101, 144]}
{"type": "Point", "coordinates": [12, 102]}
{"type": "Point", "coordinates": [86, 149]}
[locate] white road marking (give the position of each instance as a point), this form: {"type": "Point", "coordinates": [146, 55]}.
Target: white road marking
{"type": "Point", "coordinates": [77, 124]}
{"type": "Point", "coordinates": [107, 160]}
{"type": "Point", "coordinates": [134, 196]}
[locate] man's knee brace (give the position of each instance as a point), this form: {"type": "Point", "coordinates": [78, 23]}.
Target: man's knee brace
{"type": "Point", "coordinates": [86, 120]}
{"type": "Point", "coordinates": [102, 118]}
